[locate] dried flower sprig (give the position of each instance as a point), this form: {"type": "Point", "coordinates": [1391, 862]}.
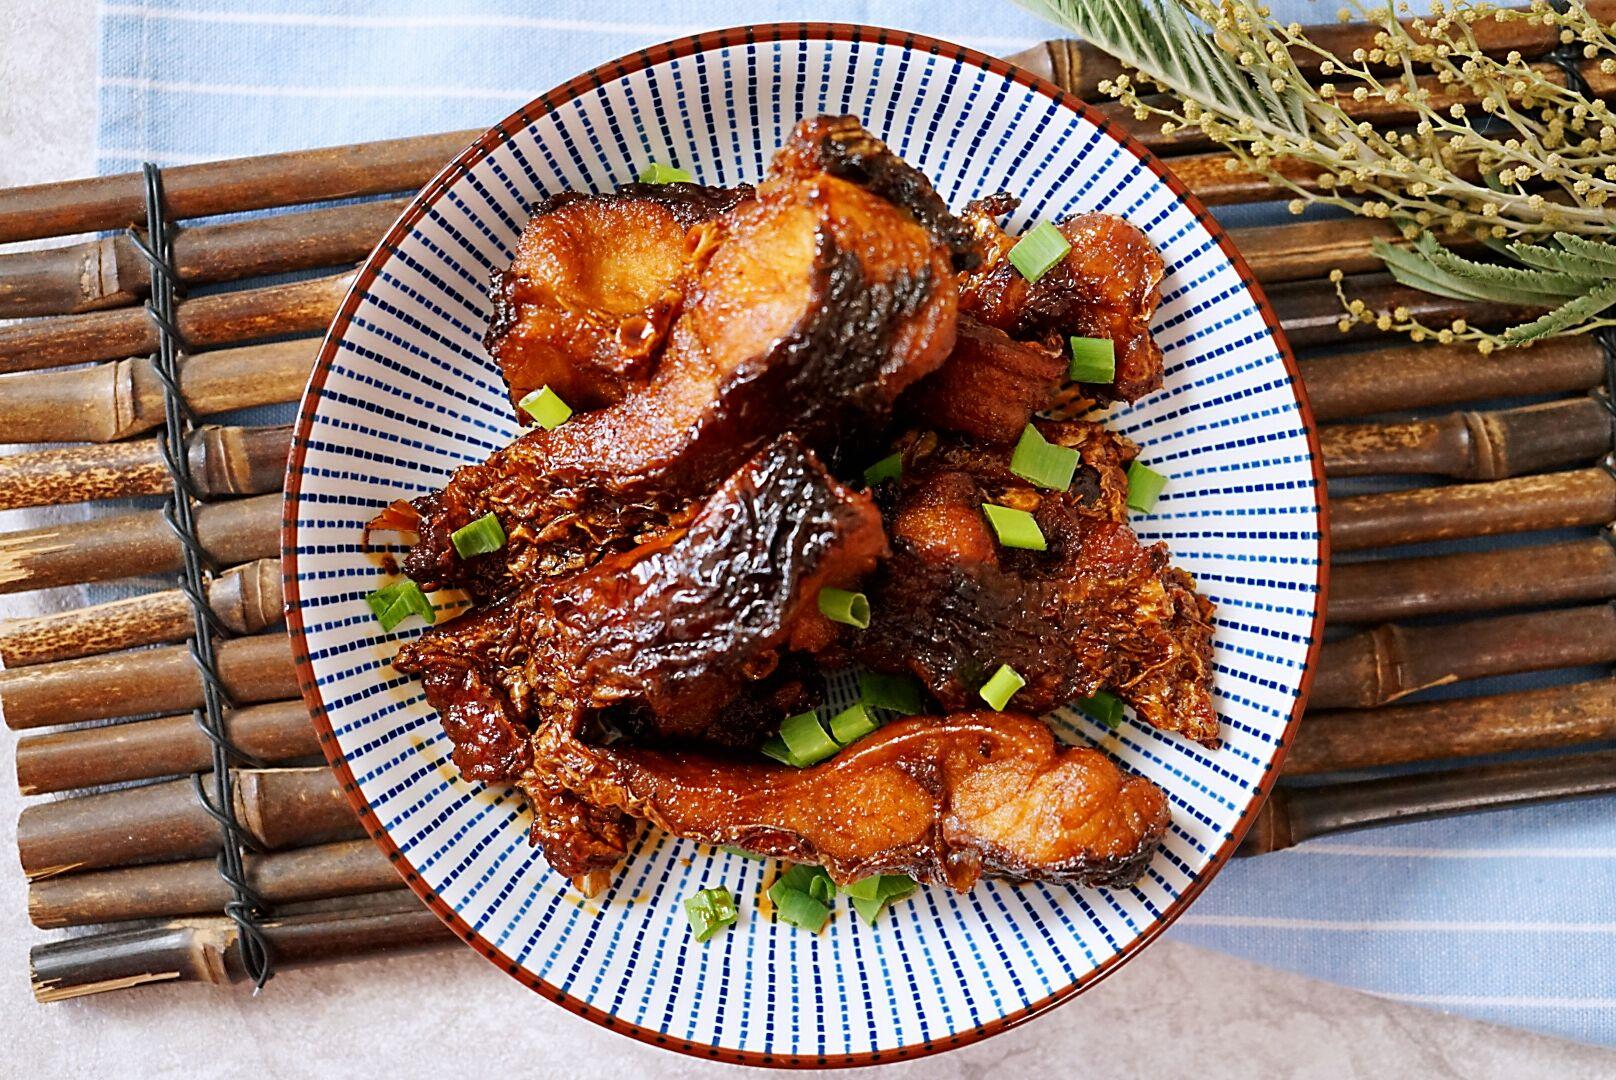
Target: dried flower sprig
{"type": "Point", "coordinates": [1497, 148]}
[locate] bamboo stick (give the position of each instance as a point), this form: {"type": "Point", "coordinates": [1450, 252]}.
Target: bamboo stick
{"type": "Point", "coordinates": [166, 890]}
{"type": "Point", "coordinates": [1295, 814]}
{"type": "Point", "coordinates": [1390, 662]}
{"type": "Point", "coordinates": [223, 187]}
{"type": "Point", "coordinates": [141, 681]}
{"type": "Point", "coordinates": [122, 545]}
{"type": "Point", "coordinates": [1473, 445]}
{"type": "Point", "coordinates": [221, 319]}
{"type": "Point", "coordinates": [277, 808]}
{"type": "Point", "coordinates": [1471, 581]}
{"type": "Point", "coordinates": [223, 461]}
{"type": "Point", "coordinates": [124, 398]}
{"type": "Point", "coordinates": [246, 598]}
{"type": "Point", "coordinates": [166, 746]}
{"type": "Point", "coordinates": [1409, 376]}
{"type": "Point", "coordinates": [111, 272]}
{"type": "Point", "coordinates": [1523, 504]}
{"type": "Point", "coordinates": [204, 950]}
{"type": "Point", "coordinates": [1549, 718]}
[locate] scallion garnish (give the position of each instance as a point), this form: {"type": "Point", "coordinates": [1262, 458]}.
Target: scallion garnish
{"type": "Point", "coordinates": [1015, 528]}
{"type": "Point", "coordinates": [998, 690]}
{"type": "Point", "coordinates": [546, 406]}
{"type": "Point", "coordinates": [480, 537]}
{"type": "Point", "coordinates": [896, 692]}
{"type": "Point", "coordinates": [851, 724]}
{"type": "Point", "coordinates": [812, 880]}
{"type": "Point", "coordinates": [1104, 707]}
{"type": "Point", "coordinates": [1094, 360]}
{"type": "Point", "coordinates": [806, 740]}
{"type": "Point", "coordinates": [1043, 462]}
{"type": "Point", "coordinates": [871, 895]}
{"type": "Point", "coordinates": [1039, 249]}
{"type": "Point", "coordinates": [848, 608]}
{"type": "Point", "coordinates": [392, 604]}
{"type": "Point", "coordinates": [1144, 487]}
{"type": "Point", "coordinates": [888, 468]}
{"type": "Point", "coordinates": [658, 173]}
{"type": "Point", "coordinates": [799, 909]}
{"type": "Point", "coordinates": [709, 911]}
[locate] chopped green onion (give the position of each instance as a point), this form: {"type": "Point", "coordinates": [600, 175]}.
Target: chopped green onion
{"type": "Point", "coordinates": [848, 608]}
{"type": "Point", "coordinates": [1144, 487]}
{"type": "Point", "coordinates": [730, 849]}
{"type": "Point", "coordinates": [1104, 707]}
{"type": "Point", "coordinates": [392, 604]}
{"type": "Point", "coordinates": [799, 909]}
{"type": "Point", "coordinates": [998, 690]}
{"type": "Point", "coordinates": [480, 537]}
{"type": "Point", "coordinates": [851, 724]}
{"type": "Point", "coordinates": [899, 693]}
{"type": "Point", "coordinates": [775, 747]}
{"type": "Point", "coordinates": [1094, 360]}
{"type": "Point", "coordinates": [1039, 249]}
{"type": "Point", "coordinates": [888, 468]}
{"type": "Point", "coordinates": [1043, 462]}
{"type": "Point", "coordinates": [806, 740]}
{"type": "Point", "coordinates": [871, 895]}
{"type": "Point", "coordinates": [658, 173]}
{"type": "Point", "coordinates": [805, 878]}
{"type": "Point", "coordinates": [709, 911]}
{"type": "Point", "coordinates": [546, 406]}
{"type": "Point", "coordinates": [1015, 528]}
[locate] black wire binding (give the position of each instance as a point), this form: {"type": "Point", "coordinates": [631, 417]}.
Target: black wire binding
{"type": "Point", "coordinates": [246, 906]}
{"type": "Point", "coordinates": [1606, 336]}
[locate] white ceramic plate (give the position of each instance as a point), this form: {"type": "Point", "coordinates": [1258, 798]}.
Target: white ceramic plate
{"type": "Point", "coordinates": [403, 393]}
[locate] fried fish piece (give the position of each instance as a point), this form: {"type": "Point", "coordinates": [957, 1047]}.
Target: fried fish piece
{"type": "Point", "coordinates": [585, 306]}
{"type": "Point", "coordinates": [1097, 610]}
{"type": "Point", "coordinates": [945, 799]}
{"type": "Point", "coordinates": [681, 637]}
{"type": "Point", "coordinates": [1107, 286]}
{"type": "Point", "coordinates": [990, 386]}
{"type": "Point", "coordinates": [811, 307]}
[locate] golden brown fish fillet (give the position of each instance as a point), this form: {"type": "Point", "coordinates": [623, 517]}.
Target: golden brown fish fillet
{"type": "Point", "coordinates": [597, 280]}
{"type": "Point", "coordinates": [990, 386]}
{"type": "Point", "coordinates": [944, 799]}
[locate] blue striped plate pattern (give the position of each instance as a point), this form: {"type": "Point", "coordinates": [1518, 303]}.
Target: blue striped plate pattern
{"type": "Point", "coordinates": [404, 393]}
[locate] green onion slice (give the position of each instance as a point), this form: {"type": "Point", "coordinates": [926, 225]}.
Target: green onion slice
{"type": "Point", "coordinates": [709, 911]}
{"type": "Point", "coordinates": [888, 468]}
{"type": "Point", "coordinates": [871, 895]}
{"type": "Point", "coordinates": [480, 537]}
{"type": "Point", "coordinates": [1015, 528]}
{"type": "Point", "coordinates": [805, 878]}
{"type": "Point", "coordinates": [1104, 707]}
{"type": "Point", "coordinates": [392, 604]}
{"type": "Point", "coordinates": [658, 173]}
{"type": "Point", "coordinates": [1043, 462]}
{"type": "Point", "coordinates": [1039, 249]}
{"type": "Point", "coordinates": [806, 740]}
{"type": "Point", "coordinates": [848, 608]}
{"type": "Point", "coordinates": [799, 909]}
{"type": "Point", "coordinates": [1094, 360]}
{"type": "Point", "coordinates": [775, 747]}
{"type": "Point", "coordinates": [546, 406]}
{"type": "Point", "coordinates": [899, 693]}
{"type": "Point", "coordinates": [998, 690]}
{"type": "Point", "coordinates": [1144, 487]}
{"type": "Point", "coordinates": [851, 724]}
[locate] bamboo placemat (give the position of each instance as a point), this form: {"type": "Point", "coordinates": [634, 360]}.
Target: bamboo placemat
{"type": "Point", "coordinates": [155, 803]}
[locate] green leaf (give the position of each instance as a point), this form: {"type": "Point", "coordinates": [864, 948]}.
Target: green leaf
{"type": "Point", "coordinates": [1547, 258]}
{"type": "Point", "coordinates": [1568, 315]}
{"type": "Point", "coordinates": [1416, 270]}
{"type": "Point", "coordinates": [1596, 250]}
{"type": "Point", "coordinates": [1491, 275]}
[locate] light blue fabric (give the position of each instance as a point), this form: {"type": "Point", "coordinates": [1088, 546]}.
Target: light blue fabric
{"type": "Point", "coordinates": [1507, 916]}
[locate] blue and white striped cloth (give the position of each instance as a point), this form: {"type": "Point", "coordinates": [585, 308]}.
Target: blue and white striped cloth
{"type": "Point", "coordinates": [1508, 916]}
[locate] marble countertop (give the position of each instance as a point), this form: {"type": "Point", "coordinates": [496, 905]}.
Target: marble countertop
{"type": "Point", "coordinates": [1172, 1009]}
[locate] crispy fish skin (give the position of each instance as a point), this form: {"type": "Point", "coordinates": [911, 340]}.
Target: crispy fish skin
{"type": "Point", "coordinates": [944, 799]}
{"type": "Point", "coordinates": [680, 638]}
{"type": "Point", "coordinates": [1097, 610]}
{"type": "Point", "coordinates": [597, 280]}
{"type": "Point", "coordinates": [812, 306]}
{"type": "Point", "coordinates": [990, 386]}
{"type": "Point", "coordinates": [1107, 286]}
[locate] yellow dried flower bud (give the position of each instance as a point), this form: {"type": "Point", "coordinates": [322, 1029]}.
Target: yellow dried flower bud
{"type": "Point", "coordinates": [1343, 325]}
{"type": "Point", "coordinates": [1343, 15]}
{"type": "Point", "coordinates": [1383, 322]}
{"type": "Point", "coordinates": [1335, 276]}
{"type": "Point", "coordinates": [1400, 314]}
{"type": "Point", "coordinates": [1416, 334]}
{"type": "Point", "coordinates": [1360, 93]}
{"type": "Point", "coordinates": [1460, 326]}
{"type": "Point", "coordinates": [1445, 336]}
{"type": "Point", "coordinates": [1567, 37]}
{"type": "Point", "coordinates": [1485, 346]}
{"type": "Point", "coordinates": [1457, 111]}
{"type": "Point", "coordinates": [1296, 206]}
{"type": "Point", "coordinates": [1356, 307]}
{"type": "Point", "coordinates": [1327, 67]}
